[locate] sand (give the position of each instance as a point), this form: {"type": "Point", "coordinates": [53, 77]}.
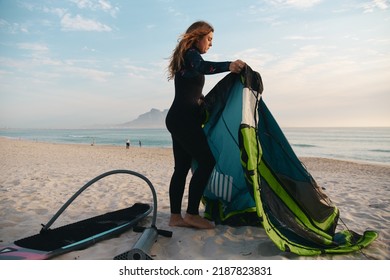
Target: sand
{"type": "Point", "coordinates": [37, 178]}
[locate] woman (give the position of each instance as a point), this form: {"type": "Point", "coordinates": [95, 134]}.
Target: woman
{"type": "Point", "coordinates": [184, 121]}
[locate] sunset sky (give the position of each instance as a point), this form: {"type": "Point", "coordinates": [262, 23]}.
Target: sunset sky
{"type": "Point", "coordinates": [75, 63]}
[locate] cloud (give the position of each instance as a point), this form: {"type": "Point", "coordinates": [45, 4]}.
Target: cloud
{"type": "Point", "coordinates": [135, 71]}
{"type": "Point", "coordinates": [12, 28]}
{"type": "Point", "coordinates": [300, 4]}
{"type": "Point", "coordinates": [382, 4]}
{"type": "Point", "coordinates": [369, 7]}
{"type": "Point", "coordinates": [85, 48]}
{"type": "Point", "coordinates": [78, 23]}
{"type": "Point", "coordinates": [88, 73]}
{"type": "Point", "coordinates": [151, 26]}
{"type": "Point", "coordinates": [175, 13]}
{"type": "Point", "coordinates": [33, 47]}
{"type": "Point", "coordinates": [302, 38]}
{"type": "Point", "coordinates": [99, 5]}
{"type": "Point", "coordinates": [56, 11]}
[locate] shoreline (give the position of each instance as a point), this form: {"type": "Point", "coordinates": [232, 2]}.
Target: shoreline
{"type": "Point", "coordinates": [302, 158]}
{"type": "Point", "coordinates": [38, 177]}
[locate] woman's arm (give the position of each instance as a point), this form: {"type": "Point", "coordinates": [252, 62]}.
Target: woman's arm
{"type": "Point", "coordinates": [194, 61]}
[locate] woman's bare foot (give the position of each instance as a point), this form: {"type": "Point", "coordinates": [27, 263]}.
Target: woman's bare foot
{"type": "Point", "coordinates": [177, 220]}
{"type": "Point", "coordinates": [198, 222]}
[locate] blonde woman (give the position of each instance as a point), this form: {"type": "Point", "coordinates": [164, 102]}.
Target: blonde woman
{"type": "Point", "coordinates": [184, 120]}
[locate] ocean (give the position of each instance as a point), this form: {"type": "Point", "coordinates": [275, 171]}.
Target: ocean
{"type": "Point", "coordinates": [356, 144]}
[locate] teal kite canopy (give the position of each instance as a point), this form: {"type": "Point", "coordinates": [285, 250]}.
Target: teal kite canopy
{"type": "Point", "coordinates": [259, 180]}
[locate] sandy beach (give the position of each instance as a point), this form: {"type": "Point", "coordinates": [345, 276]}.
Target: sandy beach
{"type": "Point", "coordinates": [37, 178]}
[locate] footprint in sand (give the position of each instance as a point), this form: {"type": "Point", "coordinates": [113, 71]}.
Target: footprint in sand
{"type": "Point", "coordinates": [378, 205]}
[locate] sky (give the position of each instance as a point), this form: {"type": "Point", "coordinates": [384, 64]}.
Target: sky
{"type": "Point", "coordinates": [79, 63]}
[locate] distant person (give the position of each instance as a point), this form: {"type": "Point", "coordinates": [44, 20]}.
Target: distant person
{"type": "Point", "coordinates": [140, 144]}
{"type": "Point", "coordinates": [127, 144]}
{"type": "Point", "coordinates": [184, 121]}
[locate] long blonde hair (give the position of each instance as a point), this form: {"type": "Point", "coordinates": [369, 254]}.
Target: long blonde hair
{"type": "Point", "coordinates": [193, 34]}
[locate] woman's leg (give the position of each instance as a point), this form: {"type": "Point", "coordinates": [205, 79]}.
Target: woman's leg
{"type": "Point", "coordinates": [191, 143]}
{"type": "Point", "coordinates": [206, 162]}
{"type": "Point", "coordinates": [182, 162]}
{"type": "Point", "coordinates": [197, 146]}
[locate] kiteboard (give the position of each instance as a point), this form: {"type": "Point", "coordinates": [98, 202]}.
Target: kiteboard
{"type": "Point", "coordinates": [49, 243]}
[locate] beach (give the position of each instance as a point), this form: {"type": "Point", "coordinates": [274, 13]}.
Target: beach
{"type": "Point", "coordinates": [38, 178]}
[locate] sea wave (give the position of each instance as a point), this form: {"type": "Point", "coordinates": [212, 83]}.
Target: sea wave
{"type": "Point", "coordinates": [371, 144]}
{"type": "Point", "coordinates": [380, 151]}
{"type": "Point", "coordinates": [304, 145]}
{"type": "Point", "coordinates": [80, 136]}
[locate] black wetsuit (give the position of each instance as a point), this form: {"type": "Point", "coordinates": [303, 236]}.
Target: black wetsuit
{"type": "Point", "coordinates": [184, 122]}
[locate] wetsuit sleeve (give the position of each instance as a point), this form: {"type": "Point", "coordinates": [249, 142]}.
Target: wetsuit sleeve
{"type": "Point", "coordinates": [194, 61]}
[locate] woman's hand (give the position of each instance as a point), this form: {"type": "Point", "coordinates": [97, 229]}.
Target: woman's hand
{"type": "Point", "coordinates": [237, 66]}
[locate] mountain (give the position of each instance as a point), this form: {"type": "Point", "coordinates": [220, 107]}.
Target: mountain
{"type": "Point", "coordinates": [152, 119]}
